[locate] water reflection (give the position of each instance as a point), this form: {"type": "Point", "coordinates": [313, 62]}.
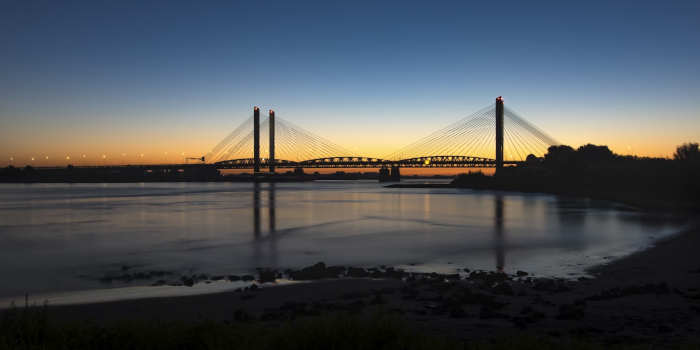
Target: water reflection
{"type": "Point", "coordinates": [211, 228]}
{"type": "Point", "coordinates": [571, 215]}
{"type": "Point", "coordinates": [257, 207]}
{"type": "Point", "coordinates": [498, 233]}
{"type": "Point", "coordinates": [256, 210]}
{"type": "Point", "coordinates": [271, 207]}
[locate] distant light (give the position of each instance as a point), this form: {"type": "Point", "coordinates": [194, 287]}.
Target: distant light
{"type": "Point", "coordinates": [123, 154]}
{"type": "Point", "coordinates": [141, 155]}
{"type": "Point", "coordinates": [47, 157]}
{"type": "Point", "coordinates": [12, 158]}
{"type": "Point", "coordinates": [182, 154]}
{"type": "Point", "coordinates": [67, 157]}
{"type": "Point", "coordinates": [32, 159]}
{"type": "Point", "coordinates": [104, 156]}
{"type": "Point", "coordinates": [83, 156]}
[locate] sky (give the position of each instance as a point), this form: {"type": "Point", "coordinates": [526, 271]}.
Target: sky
{"type": "Point", "coordinates": [125, 82]}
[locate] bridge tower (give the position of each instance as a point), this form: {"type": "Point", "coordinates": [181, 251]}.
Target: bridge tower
{"type": "Point", "coordinates": [256, 140]}
{"type": "Point", "coordinates": [499, 134]}
{"type": "Point", "coordinates": [271, 159]}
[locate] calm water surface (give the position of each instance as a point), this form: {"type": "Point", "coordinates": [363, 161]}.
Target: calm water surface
{"type": "Point", "coordinates": [65, 237]}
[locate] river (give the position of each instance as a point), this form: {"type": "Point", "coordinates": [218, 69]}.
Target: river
{"type": "Point", "coordinates": [63, 238]}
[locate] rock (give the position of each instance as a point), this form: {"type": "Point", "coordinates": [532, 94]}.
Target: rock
{"type": "Point", "coordinates": [247, 278]}
{"type": "Point", "coordinates": [488, 278]}
{"type": "Point", "coordinates": [187, 281]}
{"type": "Point", "coordinates": [233, 278]}
{"type": "Point", "coordinates": [314, 272]}
{"type": "Point", "coordinates": [266, 276]}
{"type": "Point", "coordinates": [357, 272]}
{"type": "Point", "coordinates": [390, 272]}
{"type": "Point", "coordinates": [335, 271]}
{"type": "Point", "coordinates": [521, 273]}
{"type": "Point", "coordinates": [451, 276]}
{"type": "Point", "coordinates": [550, 285]}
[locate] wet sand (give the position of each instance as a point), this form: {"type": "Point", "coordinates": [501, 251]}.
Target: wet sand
{"type": "Point", "coordinates": [652, 295]}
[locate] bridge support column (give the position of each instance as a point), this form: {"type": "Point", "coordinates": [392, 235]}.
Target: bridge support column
{"type": "Point", "coordinates": [384, 174]}
{"type": "Point", "coordinates": [256, 140]}
{"type": "Point", "coordinates": [387, 174]}
{"type": "Point", "coordinates": [271, 159]}
{"type": "Point", "coordinates": [395, 174]}
{"type": "Point", "coordinates": [499, 134]}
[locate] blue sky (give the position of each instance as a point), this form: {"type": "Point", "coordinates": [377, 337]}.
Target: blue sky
{"type": "Point", "coordinates": [108, 77]}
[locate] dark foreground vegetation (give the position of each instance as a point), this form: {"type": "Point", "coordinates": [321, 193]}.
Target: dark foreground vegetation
{"type": "Point", "coordinates": [32, 328]}
{"type": "Point", "coordinates": [595, 171]}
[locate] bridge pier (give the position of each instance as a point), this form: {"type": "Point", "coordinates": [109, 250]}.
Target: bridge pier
{"type": "Point", "coordinates": [256, 140]}
{"type": "Point", "coordinates": [271, 159]}
{"type": "Point", "coordinates": [387, 174]}
{"type": "Point", "coordinates": [499, 134]}
{"type": "Point", "coordinates": [395, 174]}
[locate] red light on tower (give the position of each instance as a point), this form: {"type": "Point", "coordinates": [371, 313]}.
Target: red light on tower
{"type": "Point", "coordinates": [500, 98]}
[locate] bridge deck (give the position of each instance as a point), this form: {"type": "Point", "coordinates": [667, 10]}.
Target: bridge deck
{"type": "Point", "coordinates": [367, 162]}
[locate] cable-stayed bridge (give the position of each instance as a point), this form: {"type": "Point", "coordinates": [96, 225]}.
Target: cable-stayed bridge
{"type": "Point", "coordinates": [494, 136]}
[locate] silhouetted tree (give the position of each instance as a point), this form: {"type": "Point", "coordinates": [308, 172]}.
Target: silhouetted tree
{"type": "Point", "coordinates": [561, 158]}
{"type": "Point", "coordinates": [592, 153]}
{"type": "Point", "coordinates": [687, 152]}
{"type": "Point", "coordinates": [559, 154]}
{"type": "Point", "coordinates": [531, 159]}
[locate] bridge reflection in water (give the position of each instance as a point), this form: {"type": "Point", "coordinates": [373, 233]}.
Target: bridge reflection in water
{"type": "Point", "coordinates": [499, 241]}
{"type": "Point", "coordinates": [259, 235]}
{"type": "Point", "coordinates": [257, 208]}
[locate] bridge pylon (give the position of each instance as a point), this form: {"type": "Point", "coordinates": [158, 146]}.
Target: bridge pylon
{"type": "Point", "coordinates": [256, 140]}
{"type": "Point", "coordinates": [271, 158]}
{"type": "Point", "coordinates": [499, 134]}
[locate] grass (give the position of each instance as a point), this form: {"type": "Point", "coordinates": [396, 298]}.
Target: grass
{"type": "Point", "coordinates": [31, 328]}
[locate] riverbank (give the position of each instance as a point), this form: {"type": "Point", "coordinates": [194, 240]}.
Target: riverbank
{"type": "Point", "coordinates": [649, 297]}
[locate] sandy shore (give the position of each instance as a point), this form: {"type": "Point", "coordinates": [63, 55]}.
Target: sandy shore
{"type": "Point", "coordinates": [652, 295]}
